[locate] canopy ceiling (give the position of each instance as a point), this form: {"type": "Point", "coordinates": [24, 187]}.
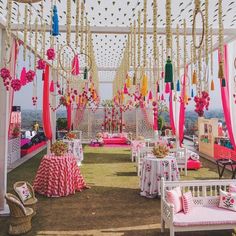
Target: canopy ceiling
{"type": "Point", "coordinates": [108, 47]}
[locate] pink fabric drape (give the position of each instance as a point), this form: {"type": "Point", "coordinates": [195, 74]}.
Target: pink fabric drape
{"type": "Point", "coordinates": [225, 97]}
{"type": "Point", "coordinates": [172, 122]}
{"type": "Point", "coordinates": [46, 109]}
{"type": "Point", "coordinates": [68, 109]}
{"type": "Point", "coordinates": [182, 108]}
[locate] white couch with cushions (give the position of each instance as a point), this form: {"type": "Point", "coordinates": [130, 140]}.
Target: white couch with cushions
{"type": "Point", "coordinates": [205, 213]}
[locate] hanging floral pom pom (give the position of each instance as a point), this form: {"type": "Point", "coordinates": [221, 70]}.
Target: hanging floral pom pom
{"type": "Point", "coordinates": [5, 73]}
{"type": "Point", "coordinates": [51, 54]}
{"type": "Point", "coordinates": [30, 76]}
{"type": "Point", "coordinates": [55, 22]}
{"type": "Point", "coordinates": [41, 64]}
{"type": "Point", "coordinates": [16, 84]}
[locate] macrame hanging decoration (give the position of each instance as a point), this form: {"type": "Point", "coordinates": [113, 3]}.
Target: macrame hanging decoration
{"type": "Point", "coordinates": [168, 66]}
{"type": "Point", "coordinates": [221, 46]}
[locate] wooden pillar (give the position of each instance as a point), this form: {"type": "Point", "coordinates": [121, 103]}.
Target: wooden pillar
{"type": "Point", "coordinates": [4, 125]}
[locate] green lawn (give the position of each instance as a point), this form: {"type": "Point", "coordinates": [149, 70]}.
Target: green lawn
{"type": "Point", "coordinates": [112, 206]}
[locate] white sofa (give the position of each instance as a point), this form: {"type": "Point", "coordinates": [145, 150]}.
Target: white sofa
{"type": "Point", "coordinates": [206, 215]}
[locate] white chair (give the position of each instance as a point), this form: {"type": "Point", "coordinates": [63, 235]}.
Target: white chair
{"type": "Point", "coordinates": [142, 153]}
{"type": "Point", "coordinates": [181, 158]}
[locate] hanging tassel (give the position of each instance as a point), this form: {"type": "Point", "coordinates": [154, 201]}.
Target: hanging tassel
{"type": "Point", "coordinates": [221, 71]}
{"type": "Point", "coordinates": [43, 74]}
{"type": "Point", "coordinates": [128, 83]}
{"type": "Point", "coordinates": [158, 88]}
{"type": "Point", "coordinates": [162, 97]}
{"type": "Point", "coordinates": [167, 88]}
{"type": "Point", "coordinates": [178, 86]}
{"type": "Point", "coordinates": [212, 85]}
{"type": "Point", "coordinates": [75, 65]}
{"type": "Point", "coordinates": [150, 95]}
{"type": "Point", "coordinates": [144, 86]}
{"type": "Point", "coordinates": [162, 74]}
{"type": "Point", "coordinates": [134, 79]}
{"type": "Point", "coordinates": [172, 86]}
{"type": "Point", "coordinates": [168, 71]}
{"type": "Point", "coordinates": [55, 22]}
{"type": "Point", "coordinates": [125, 89]}
{"type": "Point", "coordinates": [186, 98]}
{"type": "Point", "coordinates": [85, 73]}
{"type": "Point", "coordinates": [223, 83]}
{"type": "Point", "coordinates": [194, 77]}
{"type": "Point", "coordinates": [192, 94]}
{"type": "Point", "coordinates": [51, 87]}
{"type": "Point", "coordinates": [22, 77]}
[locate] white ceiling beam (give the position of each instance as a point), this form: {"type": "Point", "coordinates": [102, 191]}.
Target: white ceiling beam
{"type": "Point", "coordinates": [124, 30]}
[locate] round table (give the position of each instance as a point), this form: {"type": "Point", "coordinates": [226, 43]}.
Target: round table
{"type": "Point", "coordinates": [58, 176]}
{"type": "Point", "coordinates": [153, 169]}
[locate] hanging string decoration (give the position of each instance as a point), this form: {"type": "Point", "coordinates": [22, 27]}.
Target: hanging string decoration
{"type": "Point", "coordinates": [168, 66]}
{"type": "Point", "coordinates": [212, 80]}
{"type": "Point", "coordinates": [221, 46]}
{"type": "Point", "coordinates": [25, 31]}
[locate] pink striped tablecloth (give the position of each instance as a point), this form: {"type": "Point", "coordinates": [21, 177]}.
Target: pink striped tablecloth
{"type": "Point", "coordinates": [58, 176]}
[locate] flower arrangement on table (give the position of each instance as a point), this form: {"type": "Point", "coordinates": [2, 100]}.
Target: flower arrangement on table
{"type": "Point", "coordinates": [59, 148]}
{"type": "Point", "coordinates": [70, 136]}
{"type": "Point", "coordinates": [160, 151]}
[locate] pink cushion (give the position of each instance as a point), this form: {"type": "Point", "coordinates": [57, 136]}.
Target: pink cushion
{"type": "Point", "coordinates": [187, 200]}
{"type": "Point", "coordinates": [205, 216]}
{"type": "Point", "coordinates": [174, 197]}
{"type": "Point", "coordinates": [227, 200]}
{"type": "Point", "coordinates": [232, 188]}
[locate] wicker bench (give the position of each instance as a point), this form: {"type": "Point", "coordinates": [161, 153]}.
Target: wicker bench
{"type": "Point", "coordinates": [206, 214]}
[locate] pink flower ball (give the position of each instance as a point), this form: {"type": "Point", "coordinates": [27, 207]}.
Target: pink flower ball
{"type": "Point", "coordinates": [41, 64]}
{"type": "Point", "coordinates": [51, 54]}
{"type": "Point", "coordinates": [30, 76]}
{"type": "Point", "coordinates": [16, 84]}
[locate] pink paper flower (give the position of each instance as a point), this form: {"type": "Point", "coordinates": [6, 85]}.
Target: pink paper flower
{"type": "Point", "coordinates": [5, 73]}
{"type": "Point", "coordinates": [41, 64]}
{"type": "Point", "coordinates": [16, 84]}
{"type": "Point", "coordinates": [30, 76]}
{"type": "Point", "coordinates": [51, 54]}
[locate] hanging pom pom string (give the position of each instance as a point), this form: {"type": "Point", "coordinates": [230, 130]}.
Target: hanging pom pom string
{"type": "Point", "coordinates": [82, 28]}
{"type": "Point", "coordinates": [135, 63]}
{"type": "Point", "coordinates": [144, 34]}
{"type": "Point", "coordinates": [168, 66]}
{"type": "Point", "coordinates": [68, 22]}
{"type": "Point", "coordinates": [77, 24]}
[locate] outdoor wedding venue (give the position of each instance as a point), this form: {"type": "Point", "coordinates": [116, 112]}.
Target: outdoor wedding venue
{"type": "Point", "coordinates": [118, 117]}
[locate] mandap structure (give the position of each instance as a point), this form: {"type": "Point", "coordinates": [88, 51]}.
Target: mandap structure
{"type": "Point", "coordinates": [151, 52]}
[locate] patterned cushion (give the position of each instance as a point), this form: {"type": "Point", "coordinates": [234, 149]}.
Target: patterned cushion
{"type": "Point", "coordinates": [227, 200]}
{"type": "Point", "coordinates": [23, 192]}
{"type": "Point", "coordinates": [187, 200]}
{"type": "Point", "coordinates": [232, 188]}
{"type": "Point", "coordinates": [174, 197]}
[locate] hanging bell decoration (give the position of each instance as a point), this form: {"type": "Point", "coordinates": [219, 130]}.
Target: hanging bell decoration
{"type": "Point", "coordinates": [194, 77]}
{"type": "Point", "coordinates": [85, 73]}
{"type": "Point", "coordinates": [168, 71]}
{"type": "Point", "coordinates": [212, 85]}
{"type": "Point", "coordinates": [55, 22]}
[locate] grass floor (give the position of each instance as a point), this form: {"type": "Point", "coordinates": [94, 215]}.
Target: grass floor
{"type": "Point", "coordinates": [112, 206]}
